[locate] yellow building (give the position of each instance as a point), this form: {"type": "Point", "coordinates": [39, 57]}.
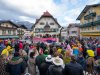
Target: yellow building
{"type": "Point", "coordinates": [90, 21]}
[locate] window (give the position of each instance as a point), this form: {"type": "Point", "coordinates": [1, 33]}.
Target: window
{"type": "Point", "coordinates": [98, 17]}
{"type": "Point", "coordinates": [41, 30]}
{"type": "Point", "coordinates": [51, 23]}
{"type": "Point", "coordinates": [54, 30]}
{"type": "Point", "coordinates": [98, 27]}
{"type": "Point", "coordinates": [7, 25]}
{"type": "Point", "coordinates": [37, 30]}
{"type": "Point", "coordinates": [3, 32]}
{"type": "Point", "coordinates": [41, 23]}
{"type": "Point", "coordinates": [9, 32]}
{"type": "Point", "coordinates": [14, 32]}
{"type": "Point", "coordinates": [74, 32]}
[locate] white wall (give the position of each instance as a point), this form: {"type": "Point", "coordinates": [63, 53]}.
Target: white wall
{"type": "Point", "coordinates": [44, 20]}
{"type": "Point", "coordinates": [73, 29]}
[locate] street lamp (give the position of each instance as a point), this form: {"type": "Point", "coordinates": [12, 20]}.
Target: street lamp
{"type": "Point", "coordinates": [60, 34]}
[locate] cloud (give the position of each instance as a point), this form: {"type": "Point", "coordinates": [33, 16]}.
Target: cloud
{"type": "Point", "coordinates": [66, 11]}
{"type": "Point", "coordinates": [24, 18]}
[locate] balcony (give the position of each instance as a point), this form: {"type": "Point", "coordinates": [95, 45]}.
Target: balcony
{"type": "Point", "coordinates": [90, 16]}
{"type": "Point", "coordinates": [90, 24]}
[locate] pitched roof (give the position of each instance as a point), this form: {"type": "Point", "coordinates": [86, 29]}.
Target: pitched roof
{"type": "Point", "coordinates": [87, 7]}
{"type": "Point", "coordinates": [46, 14]}
{"type": "Point", "coordinates": [8, 21]}
{"type": "Point", "coordinates": [23, 26]}
{"type": "Point", "coordinates": [73, 25]}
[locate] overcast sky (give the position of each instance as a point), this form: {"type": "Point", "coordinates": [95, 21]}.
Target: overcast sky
{"type": "Point", "coordinates": [66, 11]}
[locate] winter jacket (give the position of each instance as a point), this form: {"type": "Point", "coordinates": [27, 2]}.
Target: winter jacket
{"type": "Point", "coordinates": [32, 66]}
{"type": "Point", "coordinates": [73, 69]}
{"type": "Point", "coordinates": [98, 51]}
{"type": "Point", "coordinates": [20, 46]}
{"type": "Point", "coordinates": [16, 66]}
{"type": "Point", "coordinates": [44, 67]}
{"type": "Point", "coordinates": [39, 60]}
{"type": "Point", "coordinates": [55, 70]}
{"type": "Point", "coordinates": [82, 62]}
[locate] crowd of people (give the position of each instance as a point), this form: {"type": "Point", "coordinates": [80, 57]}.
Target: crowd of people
{"type": "Point", "coordinates": [72, 57]}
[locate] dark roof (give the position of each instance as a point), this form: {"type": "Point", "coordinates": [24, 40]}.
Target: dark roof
{"type": "Point", "coordinates": [8, 21]}
{"type": "Point", "coordinates": [73, 25]}
{"type": "Point", "coordinates": [46, 14]}
{"type": "Point", "coordinates": [87, 7]}
{"type": "Point", "coordinates": [23, 26]}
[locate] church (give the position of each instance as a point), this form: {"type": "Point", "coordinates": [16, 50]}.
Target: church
{"type": "Point", "coordinates": [46, 26]}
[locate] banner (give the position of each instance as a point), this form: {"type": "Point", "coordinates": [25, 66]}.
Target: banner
{"type": "Point", "coordinates": [49, 40]}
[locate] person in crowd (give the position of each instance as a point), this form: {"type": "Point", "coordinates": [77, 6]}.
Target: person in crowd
{"type": "Point", "coordinates": [97, 66]}
{"type": "Point", "coordinates": [2, 46]}
{"type": "Point", "coordinates": [46, 64]}
{"type": "Point", "coordinates": [67, 57]}
{"type": "Point", "coordinates": [16, 47]}
{"type": "Point", "coordinates": [98, 51]}
{"type": "Point", "coordinates": [20, 45]}
{"type": "Point", "coordinates": [26, 47]}
{"type": "Point", "coordinates": [7, 50]}
{"type": "Point", "coordinates": [75, 50]}
{"type": "Point", "coordinates": [32, 64]}
{"type": "Point", "coordinates": [3, 63]}
{"type": "Point", "coordinates": [90, 65]}
{"type": "Point", "coordinates": [39, 60]}
{"type": "Point", "coordinates": [16, 66]}
{"type": "Point", "coordinates": [46, 52]}
{"type": "Point", "coordinates": [73, 68]}
{"type": "Point", "coordinates": [24, 55]}
{"type": "Point", "coordinates": [81, 61]}
{"type": "Point", "coordinates": [56, 68]}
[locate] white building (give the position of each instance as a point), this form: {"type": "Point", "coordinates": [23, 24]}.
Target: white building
{"type": "Point", "coordinates": [8, 29]}
{"type": "Point", "coordinates": [73, 30]}
{"type": "Point", "coordinates": [46, 26]}
{"type": "Point", "coordinates": [64, 33]}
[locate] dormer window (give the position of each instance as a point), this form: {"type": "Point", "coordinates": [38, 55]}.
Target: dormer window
{"type": "Point", "coordinates": [41, 23]}
{"type": "Point", "coordinates": [51, 23]}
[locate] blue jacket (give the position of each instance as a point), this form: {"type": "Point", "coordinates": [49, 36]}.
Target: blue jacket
{"type": "Point", "coordinates": [16, 66]}
{"type": "Point", "coordinates": [73, 69]}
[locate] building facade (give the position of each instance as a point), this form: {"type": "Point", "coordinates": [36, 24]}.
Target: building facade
{"type": "Point", "coordinates": [90, 21]}
{"type": "Point", "coordinates": [73, 30]}
{"type": "Point", "coordinates": [46, 26]}
{"type": "Point", "coordinates": [8, 29]}
{"type": "Point", "coordinates": [21, 30]}
{"type": "Point", "coordinates": [64, 33]}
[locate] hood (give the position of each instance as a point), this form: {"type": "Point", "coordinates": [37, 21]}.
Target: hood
{"type": "Point", "coordinates": [16, 60]}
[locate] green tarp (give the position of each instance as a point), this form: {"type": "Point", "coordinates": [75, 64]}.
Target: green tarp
{"type": "Point", "coordinates": [9, 37]}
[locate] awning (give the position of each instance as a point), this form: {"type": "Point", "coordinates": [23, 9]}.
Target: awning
{"type": "Point", "coordinates": [3, 37]}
